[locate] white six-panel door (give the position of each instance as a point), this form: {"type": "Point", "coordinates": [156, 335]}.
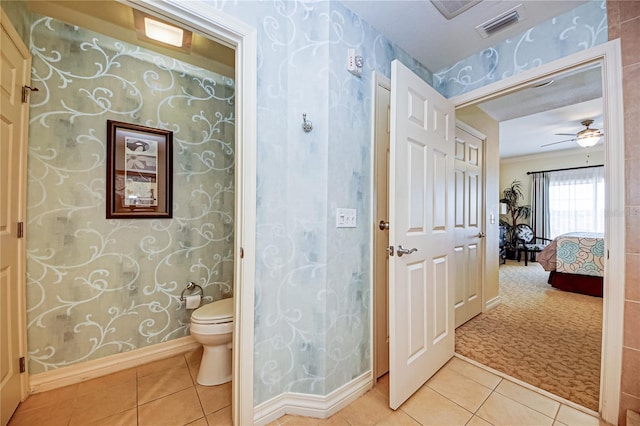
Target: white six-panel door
{"type": "Point", "coordinates": [421, 195]}
{"type": "Point", "coordinates": [14, 69]}
{"type": "Point", "coordinates": [468, 206]}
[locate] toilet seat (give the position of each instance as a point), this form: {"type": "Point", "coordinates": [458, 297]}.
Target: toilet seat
{"type": "Point", "coordinates": [218, 312]}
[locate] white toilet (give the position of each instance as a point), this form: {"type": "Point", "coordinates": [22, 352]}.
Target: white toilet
{"type": "Point", "coordinates": [212, 325]}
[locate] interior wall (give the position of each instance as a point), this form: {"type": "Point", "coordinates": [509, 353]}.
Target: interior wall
{"type": "Point", "coordinates": [572, 32]}
{"type": "Point", "coordinates": [313, 280]}
{"type": "Point", "coordinates": [624, 23]}
{"type": "Point", "coordinates": [479, 120]}
{"type": "Point", "coordinates": [516, 168]}
{"type": "Point", "coordinates": [96, 286]}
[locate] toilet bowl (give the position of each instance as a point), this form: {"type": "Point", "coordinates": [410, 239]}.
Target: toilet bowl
{"type": "Point", "coordinates": [212, 325]}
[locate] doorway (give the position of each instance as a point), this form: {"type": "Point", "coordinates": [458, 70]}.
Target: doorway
{"type": "Point", "coordinates": [536, 350]}
{"type": "Point", "coordinates": [608, 55]}
{"type": "Point", "coordinates": [225, 30]}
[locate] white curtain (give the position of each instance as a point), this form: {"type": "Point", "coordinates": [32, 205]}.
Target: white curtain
{"type": "Point", "coordinates": [540, 205]}
{"type": "Point", "coordinates": [576, 201]}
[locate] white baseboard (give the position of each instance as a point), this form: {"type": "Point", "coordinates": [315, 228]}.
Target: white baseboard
{"type": "Point", "coordinates": [493, 303]}
{"type": "Point", "coordinates": [312, 405]}
{"type": "Point", "coordinates": [110, 364]}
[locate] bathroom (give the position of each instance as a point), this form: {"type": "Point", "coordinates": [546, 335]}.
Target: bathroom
{"type": "Point", "coordinates": [95, 286]}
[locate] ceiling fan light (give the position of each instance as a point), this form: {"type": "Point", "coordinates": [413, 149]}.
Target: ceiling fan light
{"type": "Point", "coordinates": [588, 141]}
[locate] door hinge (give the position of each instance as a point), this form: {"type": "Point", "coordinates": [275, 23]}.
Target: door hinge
{"type": "Point", "coordinates": [23, 365]}
{"type": "Point", "coordinates": [390, 250]}
{"type": "Point", "coordinates": [241, 252]}
{"type": "Point", "coordinates": [25, 93]}
{"type": "Point", "coordinates": [20, 230]}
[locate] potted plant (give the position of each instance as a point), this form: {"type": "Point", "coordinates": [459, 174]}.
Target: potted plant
{"type": "Point", "coordinates": [512, 197]}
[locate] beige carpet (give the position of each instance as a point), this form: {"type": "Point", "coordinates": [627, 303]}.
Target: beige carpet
{"type": "Point", "coordinates": [546, 337]}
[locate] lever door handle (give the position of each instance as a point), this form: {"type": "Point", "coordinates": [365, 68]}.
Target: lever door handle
{"type": "Point", "coordinates": [401, 250]}
{"type": "Point", "coordinates": [481, 235]}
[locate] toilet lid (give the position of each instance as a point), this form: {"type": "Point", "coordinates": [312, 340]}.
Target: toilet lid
{"type": "Point", "coordinates": [216, 311]}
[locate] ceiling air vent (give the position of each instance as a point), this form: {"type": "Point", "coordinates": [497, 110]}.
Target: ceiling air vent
{"type": "Point", "coordinates": [453, 8]}
{"type": "Point", "coordinates": [502, 21]}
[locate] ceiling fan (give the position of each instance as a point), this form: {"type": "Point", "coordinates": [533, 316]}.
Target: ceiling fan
{"type": "Point", "coordinates": [585, 138]}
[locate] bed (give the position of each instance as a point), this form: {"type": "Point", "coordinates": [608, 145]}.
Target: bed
{"type": "Point", "coordinates": [575, 262]}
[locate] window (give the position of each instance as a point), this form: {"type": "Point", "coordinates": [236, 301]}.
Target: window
{"type": "Point", "coordinates": [576, 201]}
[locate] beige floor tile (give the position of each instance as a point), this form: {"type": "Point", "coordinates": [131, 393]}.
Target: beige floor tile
{"type": "Point", "coordinates": [221, 417]}
{"type": "Point", "coordinates": [500, 410]}
{"type": "Point", "coordinates": [65, 395]}
{"type": "Point", "coordinates": [398, 418]}
{"type": "Point", "coordinates": [193, 358]}
{"type": "Point", "coordinates": [161, 365]}
{"type": "Point", "coordinates": [50, 415]}
{"type": "Point", "coordinates": [335, 420]}
{"type": "Point", "coordinates": [201, 422]}
{"type": "Point", "coordinates": [369, 409]}
{"type": "Point", "coordinates": [126, 418]}
{"type": "Point", "coordinates": [477, 421]}
{"type": "Point", "coordinates": [103, 403]}
{"type": "Point", "coordinates": [531, 399]}
{"type": "Point", "coordinates": [572, 417]}
{"type": "Point", "coordinates": [293, 420]}
{"type": "Point", "coordinates": [382, 385]}
{"type": "Point", "coordinates": [477, 374]}
{"type": "Point", "coordinates": [460, 389]}
{"type": "Point", "coordinates": [430, 408]}
{"type": "Point", "coordinates": [107, 381]}
{"type": "Point", "coordinates": [213, 398]}
{"type": "Point", "coordinates": [163, 383]}
{"type": "Point", "coordinates": [179, 408]}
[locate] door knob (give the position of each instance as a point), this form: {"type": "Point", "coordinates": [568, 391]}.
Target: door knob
{"type": "Point", "coordinates": [401, 250]}
{"type": "Point", "coordinates": [480, 235]}
{"type": "Point", "coordinates": [383, 225]}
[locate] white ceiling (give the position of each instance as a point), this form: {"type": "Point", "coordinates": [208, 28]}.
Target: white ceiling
{"type": "Point", "coordinates": [528, 118]}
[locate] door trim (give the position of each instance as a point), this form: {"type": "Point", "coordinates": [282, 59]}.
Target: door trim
{"type": "Point", "coordinates": [609, 57]}
{"type": "Point", "coordinates": [225, 29]}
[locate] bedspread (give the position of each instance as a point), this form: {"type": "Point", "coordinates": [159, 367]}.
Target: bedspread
{"type": "Point", "coordinates": [575, 253]}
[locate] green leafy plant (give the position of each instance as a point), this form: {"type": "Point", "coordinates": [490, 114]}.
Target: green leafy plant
{"type": "Point", "coordinates": [512, 197]}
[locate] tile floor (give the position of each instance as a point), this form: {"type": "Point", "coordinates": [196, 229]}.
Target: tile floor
{"type": "Point", "coordinates": [165, 393]}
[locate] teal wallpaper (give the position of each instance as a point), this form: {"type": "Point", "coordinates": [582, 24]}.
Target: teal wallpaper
{"type": "Point", "coordinates": [97, 287]}
{"type": "Point", "coordinates": [579, 29]}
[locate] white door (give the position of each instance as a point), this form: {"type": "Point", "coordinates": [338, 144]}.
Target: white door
{"type": "Point", "coordinates": [421, 305]}
{"type": "Point", "coordinates": [14, 69]}
{"type": "Point", "coordinates": [469, 238]}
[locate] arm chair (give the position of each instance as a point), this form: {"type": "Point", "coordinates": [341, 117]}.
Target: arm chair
{"type": "Point", "coordinates": [528, 243]}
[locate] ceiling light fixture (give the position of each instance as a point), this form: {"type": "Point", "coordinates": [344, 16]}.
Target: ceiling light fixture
{"type": "Point", "coordinates": [149, 28]}
{"type": "Point", "coordinates": [162, 32]}
{"type": "Point", "coordinates": [588, 137]}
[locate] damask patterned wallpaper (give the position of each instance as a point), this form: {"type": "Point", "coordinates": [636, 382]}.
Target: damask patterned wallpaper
{"type": "Point", "coordinates": [97, 287]}
{"type": "Point", "coordinates": [574, 31]}
{"type": "Point", "coordinates": [312, 329]}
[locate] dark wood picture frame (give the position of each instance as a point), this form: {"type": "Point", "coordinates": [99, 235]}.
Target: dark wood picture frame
{"type": "Point", "coordinates": [139, 171]}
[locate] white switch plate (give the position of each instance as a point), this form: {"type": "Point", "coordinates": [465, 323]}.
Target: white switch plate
{"type": "Point", "coordinates": [345, 218]}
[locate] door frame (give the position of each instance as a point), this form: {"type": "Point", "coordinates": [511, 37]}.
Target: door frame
{"type": "Point", "coordinates": [608, 55]}
{"type": "Point", "coordinates": [229, 31]}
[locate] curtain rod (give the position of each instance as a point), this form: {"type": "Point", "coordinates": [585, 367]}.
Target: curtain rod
{"type": "Point", "coordinates": [562, 170]}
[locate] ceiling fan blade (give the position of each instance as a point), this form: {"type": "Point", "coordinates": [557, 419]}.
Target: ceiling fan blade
{"type": "Point", "coordinates": [565, 134]}
{"type": "Point", "coordinates": [555, 143]}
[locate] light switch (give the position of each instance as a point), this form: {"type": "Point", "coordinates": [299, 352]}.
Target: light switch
{"type": "Point", "coordinates": [345, 218]}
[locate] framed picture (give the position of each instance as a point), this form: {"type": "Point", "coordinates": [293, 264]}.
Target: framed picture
{"type": "Point", "coordinates": [139, 171]}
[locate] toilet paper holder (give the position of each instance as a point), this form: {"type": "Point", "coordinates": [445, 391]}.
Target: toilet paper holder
{"type": "Point", "coordinates": [193, 287]}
